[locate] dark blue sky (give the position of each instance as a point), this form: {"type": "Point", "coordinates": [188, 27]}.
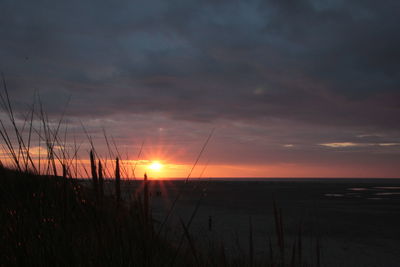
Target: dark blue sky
{"type": "Point", "coordinates": [285, 83]}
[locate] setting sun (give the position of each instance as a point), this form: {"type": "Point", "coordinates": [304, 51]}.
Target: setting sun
{"type": "Point", "coordinates": [155, 166]}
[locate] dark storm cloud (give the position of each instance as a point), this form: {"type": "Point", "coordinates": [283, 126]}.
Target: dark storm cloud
{"type": "Point", "coordinates": [320, 62]}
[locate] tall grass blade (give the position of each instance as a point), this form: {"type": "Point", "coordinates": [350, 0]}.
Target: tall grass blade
{"type": "Point", "coordinates": [251, 243]}
{"type": "Point", "coordinates": [186, 180]}
{"type": "Point", "coordinates": [190, 241]}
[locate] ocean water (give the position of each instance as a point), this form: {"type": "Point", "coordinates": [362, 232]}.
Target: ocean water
{"type": "Point", "coordinates": [356, 220]}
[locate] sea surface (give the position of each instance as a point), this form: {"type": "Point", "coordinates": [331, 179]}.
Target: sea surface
{"type": "Point", "coordinates": [355, 221]}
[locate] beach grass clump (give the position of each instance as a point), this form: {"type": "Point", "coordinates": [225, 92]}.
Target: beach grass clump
{"type": "Point", "coordinates": [52, 220]}
{"type": "Point", "coordinates": [40, 226]}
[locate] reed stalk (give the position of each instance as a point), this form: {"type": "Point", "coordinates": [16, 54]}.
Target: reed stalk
{"type": "Point", "coordinates": [318, 252]}
{"type": "Point", "coordinates": [101, 181]}
{"type": "Point", "coordinates": [279, 231]}
{"type": "Point", "coordinates": [117, 181]}
{"type": "Point", "coordinates": [146, 201]}
{"type": "Point", "coordinates": [94, 173]}
{"type": "Point", "coordinates": [300, 247]}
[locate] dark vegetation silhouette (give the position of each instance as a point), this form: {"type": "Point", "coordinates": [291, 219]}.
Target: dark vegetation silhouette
{"type": "Point", "coordinates": [48, 219]}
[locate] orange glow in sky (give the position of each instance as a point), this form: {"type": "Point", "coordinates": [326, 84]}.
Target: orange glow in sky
{"type": "Point", "coordinates": [161, 162]}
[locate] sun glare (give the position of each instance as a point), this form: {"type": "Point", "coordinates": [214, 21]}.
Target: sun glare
{"type": "Point", "coordinates": [155, 166]}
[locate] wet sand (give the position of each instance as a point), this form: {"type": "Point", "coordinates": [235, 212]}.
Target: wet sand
{"type": "Point", "coordinates": [357, 221]}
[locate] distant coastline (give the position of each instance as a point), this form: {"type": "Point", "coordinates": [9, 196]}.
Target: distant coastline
{"type": "Point", "coordinates": [272, 179]}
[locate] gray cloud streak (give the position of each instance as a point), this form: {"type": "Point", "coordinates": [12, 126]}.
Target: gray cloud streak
{"type": "Point", "coordinates": [327, 65]}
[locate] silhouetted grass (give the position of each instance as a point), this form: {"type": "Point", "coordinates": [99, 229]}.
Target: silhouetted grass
{"type": "Point", "coordinates": [38, 228]}
{"type": "Point", "coordinates": [51, 220]}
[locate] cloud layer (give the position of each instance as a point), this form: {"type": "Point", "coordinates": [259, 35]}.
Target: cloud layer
{"type": "Point", "coordinates": [296, 73]}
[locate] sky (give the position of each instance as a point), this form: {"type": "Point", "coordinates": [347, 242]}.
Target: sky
{"type": "Point", "coordinates": [306, 88]}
